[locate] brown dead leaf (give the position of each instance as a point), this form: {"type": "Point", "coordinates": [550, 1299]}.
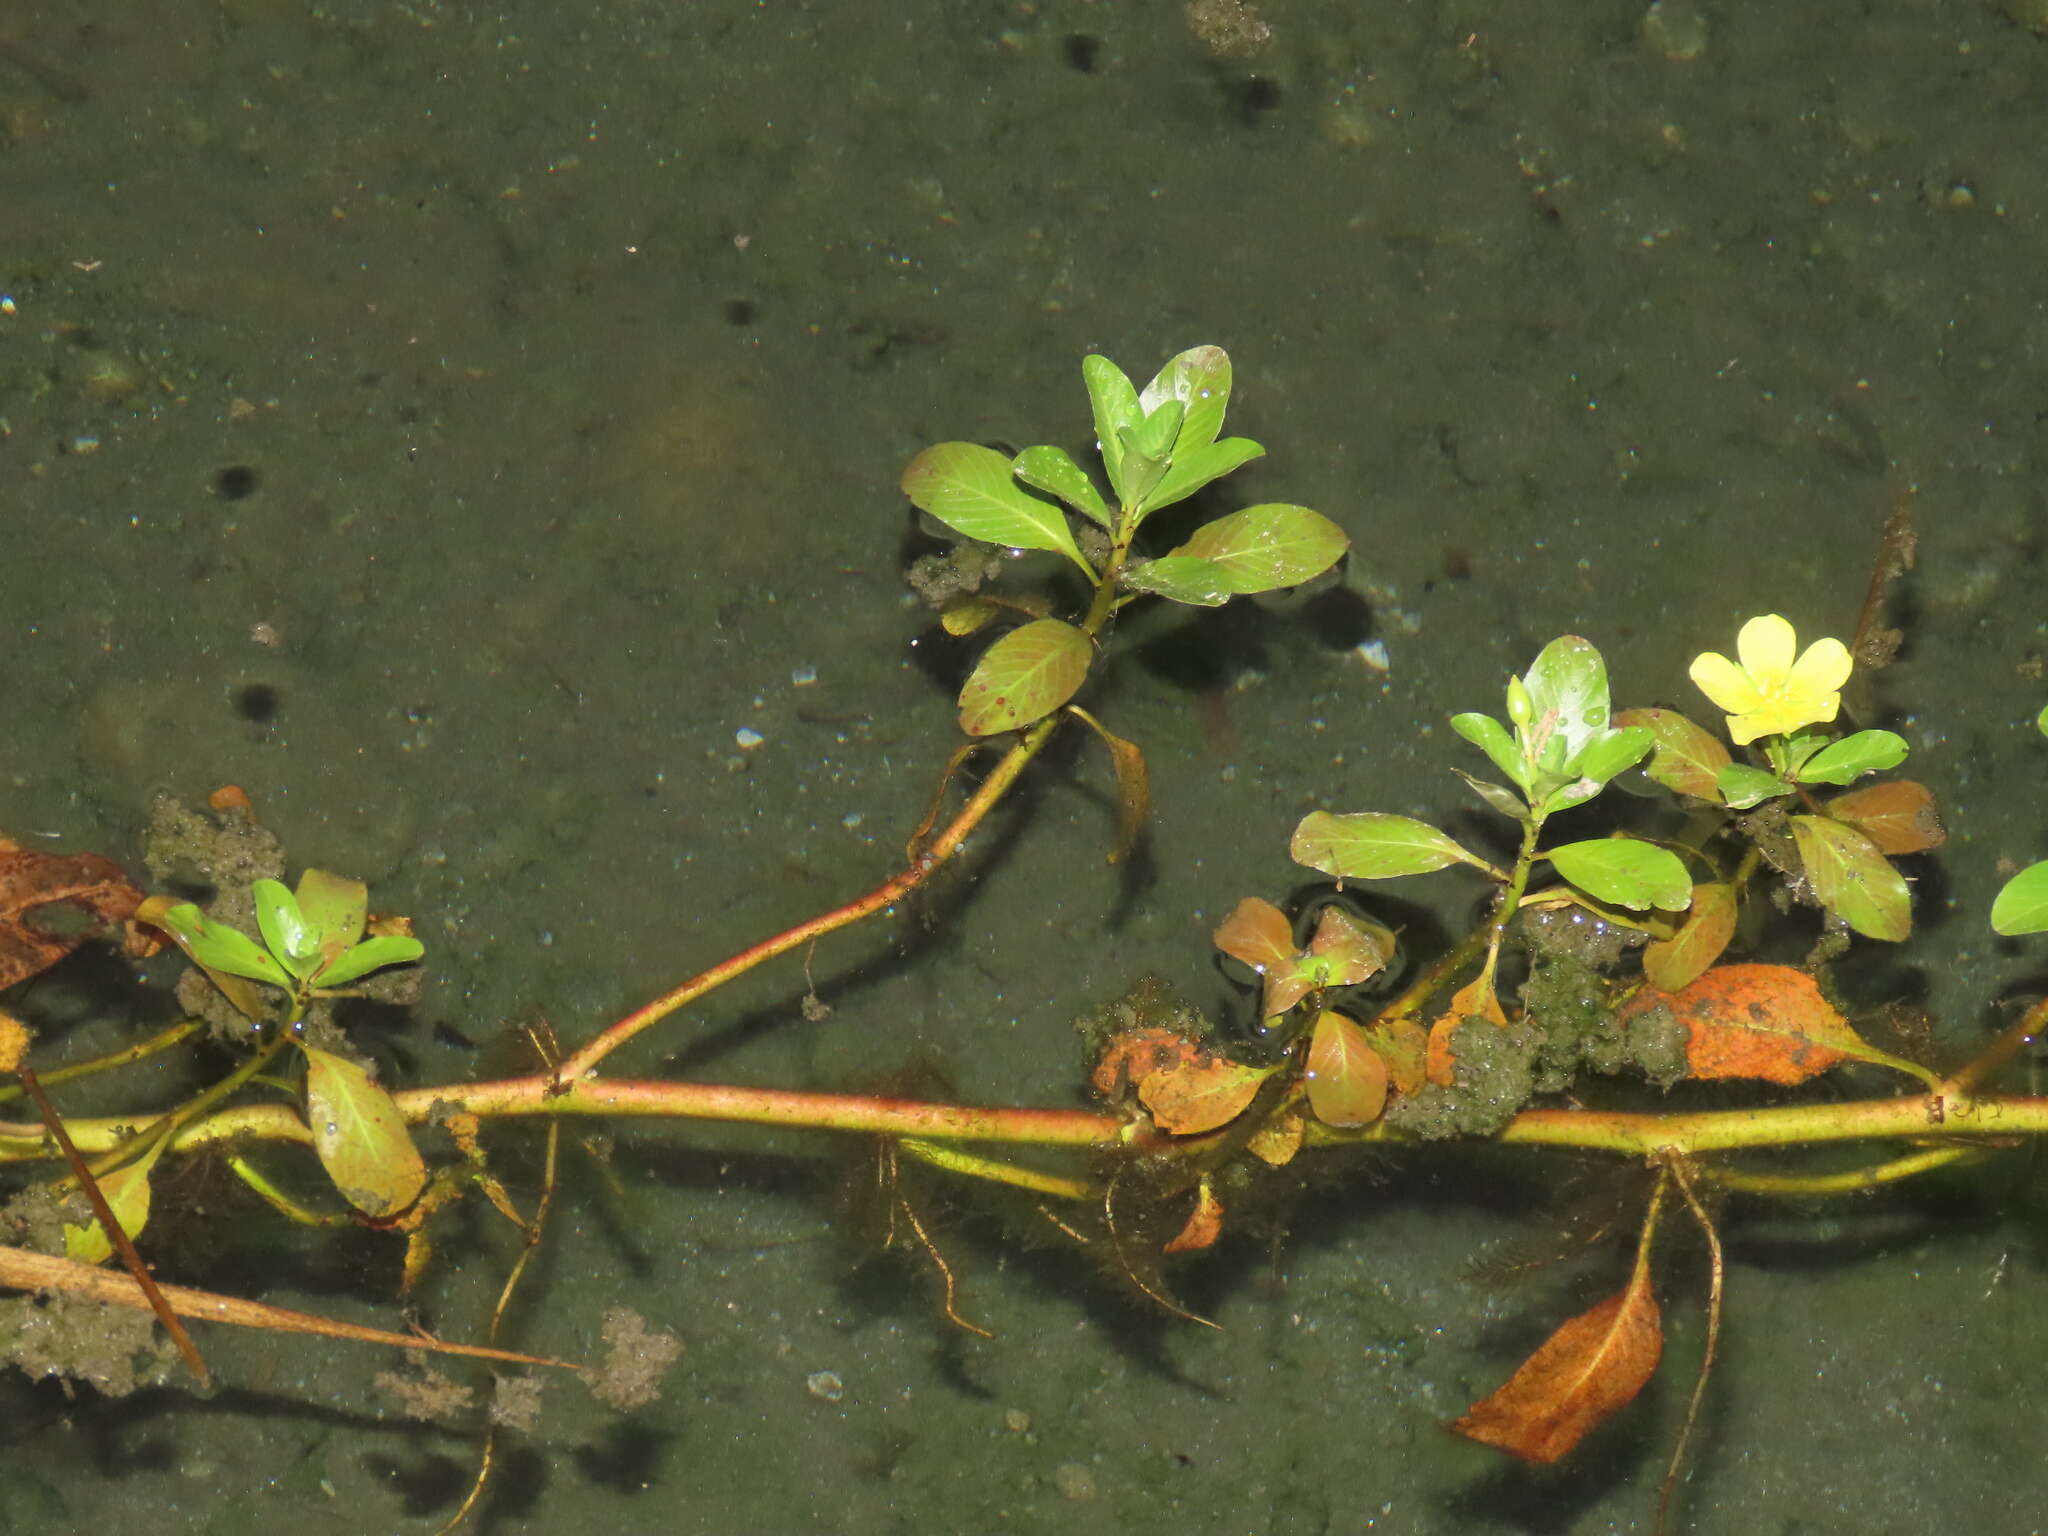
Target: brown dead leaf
{"type": "Point", "coordinates": [30, 880]}
{"type": "Point", "coordinates": [1587, 1371]}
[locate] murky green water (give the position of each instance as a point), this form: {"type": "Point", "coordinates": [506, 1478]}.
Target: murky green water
{"type": "Point", "coordinates": [455, 424]}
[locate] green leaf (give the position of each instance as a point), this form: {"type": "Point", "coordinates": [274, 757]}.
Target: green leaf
{"type": "Point", "coordinates": [1492, 738]}
{"type": "Point", "coordinates": [286, 933]}
{"type": "Point", "coordinates": [2022, 905]}
{"type": "Point", "coordinates": [1498, 796]}
{"type": "Point", "coordinates": [1852, 879]}
{"type": "Point", "coordinates": [335, 907]}
{"type": "Point", "coordinates": [1200, 379]}
{"type": "Point", "coordinates": [1370, 845]}
{"type": "Point", "coordinates": [1024, 676]}
{"type": "Point", "coordinates": [1626, 871]}
{"type": "Point", "coordinates": [1742, 786]}
{"type": "Point", "coordinates": [970, 489]}
{"type": "Point", "coordinates": [1567, 687]}
{"type": "Point", "coordinates": [126, 1191]}
{"type": "Point", "coordinates": [218, 947]}
{"type": "Point", "coordinates": [1852, 757]}
{"type": "Point", "coordinates": [1114, 400]}
{"type": "Point", "coordinates": [360, 1136]}
{"type": "Point", "coordinates": [1182, 579]}
{"type": "Point", "coordinates": [1155, 436]}
{"type": "Point", "coordinates": [1687, 759]}
{"type": "Point", "coordinates": [1053, 471]}
{"type": "Point", "coordinates": [2041, 720]}
{"type": "Point", "coordinates": [370, 955]}
{"type": "Point", "coordinates": [1601, 760]}
{"type": "Point", "coordinates": [1269, 546]}
{"type": "Point", "coordinates": [1194, 468]}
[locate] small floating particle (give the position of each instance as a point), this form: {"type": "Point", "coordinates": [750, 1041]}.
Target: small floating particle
{"type": "Point", "coordinates": [803, 677]}
{"type": "Point", "coordinates": [825, 1385]}
{"type": "Point", "coordinates": [748, 738]}
{"type": "Point", "coordinates": [1374, 654]}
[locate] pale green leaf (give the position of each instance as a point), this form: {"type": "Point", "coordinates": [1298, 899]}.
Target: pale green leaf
{"type": "Point", "coordinates": [1492, 738]}
{"type": "Point", "coordinates": [1498, 796]}
{"type": "Point", "coordinates": [971, 490]}
{"type": "Point", "coordinates": [370, 955]}
{"type": "Point", "coordinates": [1053, 471]}
{"type": "Point", "coordinates": [1852, 879]}
{"type": "Point", "coordinates": [218, 947]}
{"type": "Point", "coordinates": [285, 930]}
{"type": "Point", "coordinates": [1200, 379]}
{"type": "Point", "coordinates": [1567, 685]}
{"type": "Point", "coordinates": [1193, 468]}
{"type": "Point", "coordinates": [1182, 579]}
{"type": "Point", "coordinates": [1852, 757]}
{"type": "Point", "coordinates": [360, 1136]}
{"type": "Point", "coordinates": [1269, 546]}
{"type": "Point", "coordinates": [1626, 871]}
{"type": "Point", "coordinates": [1370, 845]}
{"type": "Point", "coordinates": [1024, 676]}
{"type": "Point", "coordinates": [1742, 786]}
{"type": "Point", "coordinates": [1604, 757]}
{"type": "Point", "coordinates": [2022, 905]}
{"type": "Point", "coordinates": [1114, 400]}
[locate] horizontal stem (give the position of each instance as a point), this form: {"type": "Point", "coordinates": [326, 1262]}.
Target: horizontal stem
{"type": "Point", "coordinates": [1924, 1119]}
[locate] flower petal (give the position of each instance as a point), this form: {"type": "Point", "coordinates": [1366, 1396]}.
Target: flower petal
{"type": "Point", "coordinates": [1823, 668]}
{"type": "Point", "coordinates": [1726, 684]}
{"type": "Point", "coordinates": [1767, 645]}
{"type": "Point", "coordinates": [1743, 729]}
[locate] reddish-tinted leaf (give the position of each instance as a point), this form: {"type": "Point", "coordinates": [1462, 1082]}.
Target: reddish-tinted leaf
{"type": "Point", "coordinates": [1204, 1223]}
{"type": "Point", "coordinates": [1347, 1081]}
{"type": "Point", "coordinates": [1675, 962]}
{"type": "Point", "coordinates": [1189, 1097]}
{"type": "Point", "coordinates": [1586, 1372]}
{"type": "Point", "coordinates": [1899, 816]}
{"type": "Point", "coordinates": [1686, 758]}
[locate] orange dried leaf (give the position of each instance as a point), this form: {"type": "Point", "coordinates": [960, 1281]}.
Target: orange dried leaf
{"type": "Point", "coordinates": [30, 880]}
{"type": "Point", "coordinates": [1709, 925]}
{"type": "Point", "coordinates": [1761, 1021]}
{"type": "Point", "coordinates": [1403, 1045]}
{"type": "Point", "coordinates": [1347, 1080]}
{"type": "Point", "coordinates": [1476, 999]}
{"type": "Point", "coordinates": [1204, 1224]}
{"type": "Point", "coordinates": [1135, 1054]}
{"type": "Point", "coordinates": [1586, 1372]}
{"type": "Point", "coordinates": [1276, 1142]}
{"type": "Point", "coordinates": [1190, 1097]}
{"type": "Point", "coordinates": [1899, 816]}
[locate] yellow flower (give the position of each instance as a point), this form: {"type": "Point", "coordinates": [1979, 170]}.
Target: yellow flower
{"type": "Point", "coordinates": [1769, 693]}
